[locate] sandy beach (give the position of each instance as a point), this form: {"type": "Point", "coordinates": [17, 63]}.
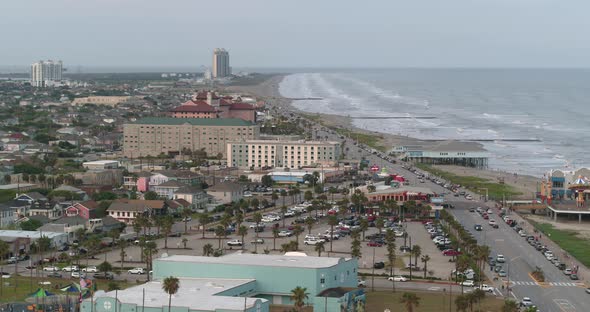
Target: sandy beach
{"type": "Point", "coordinates": [269, 91]}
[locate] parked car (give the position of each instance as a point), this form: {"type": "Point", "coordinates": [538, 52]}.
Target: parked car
{"type": "Point", "coordinates": [105, 275]}
{"type": "Point", "coordinates": [285, 234]}
{"type": "Point", "coordinates": [90, 269]}
{"type": "Point", "coordinates": [502, 273]}
{"type": "Point", "coordinates": [50, 269]}
{"type": "Point", "coordinates": [478, 227]}
{"type": "Point", "coordinates": [567, 271]}
{"type": "Point", "coordinates": [361, 283]}
{"type": "Point", "coordinates": [451, 252]}
{"type": "Point", "coordinates": [70, 268]}
{"type": "Point", "coordinates": [5, 274]}
{"type": "Point", "coordinates": [500, 259]}
{"type": "Point", "coordinates": [258, 241]}
{"type": "Point", "coordinates": [379, 265]}
{"type": "Point", "coordinates": [77, 274]}
{"type": "Point", "coordinates": [397, 279]}
{"type": "Point", "coordinates": [374, 244]}
{"type": "Point", "coordinates": [54, 274]}
{"type": "Point", "coordinates": [574, 277]}
{"type": "Point", "coordinates": [234, 242]}
{"type": "Point", "coordinates": [136, 271]}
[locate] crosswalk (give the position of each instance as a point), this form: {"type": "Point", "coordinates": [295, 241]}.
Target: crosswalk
{"type": "Point", "coordinates": [562, 284]}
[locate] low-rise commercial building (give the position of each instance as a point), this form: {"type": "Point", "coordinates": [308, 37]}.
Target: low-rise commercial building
{"type": "Point", "coordinates": [101, 100]}
{"type": "Point", "coordinates": [175, 136]}
{"type": "Point", "coordinates": [241, 282]}
{"type": "Point", "coordinates": [280, 154]}
{"type": "Point", "coordinates": [468, 154]}
{"type": "Point", "coordinates": [101, 164]}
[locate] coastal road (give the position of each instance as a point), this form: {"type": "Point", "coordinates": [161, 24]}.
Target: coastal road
{"type": "Point", "coordinates": [558, 294]}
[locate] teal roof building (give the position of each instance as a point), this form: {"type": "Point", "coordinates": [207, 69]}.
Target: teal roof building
{"type": "Point", "coordinates": [241, 282]}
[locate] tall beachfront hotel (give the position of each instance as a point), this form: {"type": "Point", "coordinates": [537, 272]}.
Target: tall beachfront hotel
{"type": "Point", "coordinates": [221, 67]}
{"type": "Point", "coordinates": [44, 71]}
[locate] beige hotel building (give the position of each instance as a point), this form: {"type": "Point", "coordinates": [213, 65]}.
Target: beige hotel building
{"type": "Point", "coordinates": [153, 136]}
{"type": "Point", "coordinates": [281, 154]}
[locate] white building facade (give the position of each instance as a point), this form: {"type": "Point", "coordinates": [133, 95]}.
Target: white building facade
{"type": "Point", "coordinates": [45, 72]}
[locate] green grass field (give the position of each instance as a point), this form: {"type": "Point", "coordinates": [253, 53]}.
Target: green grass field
{"type": "Point", "coordinates": [19, 288]}
{"type": "Point", "coordinates": [569, 241]}
{"type": "Point", "coordinates": [429, 302]}
{"type": "Point", "coordinates": [478, 185]}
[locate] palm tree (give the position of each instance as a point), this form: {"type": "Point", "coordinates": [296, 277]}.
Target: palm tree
{"type": "Point", "coordinates": [207, 250]}
{"type": "Point", "coordinates": [364, 226]}
{"type": "Point", "coordinates": [410, 300]}
{"type": "Point", "coordinates": [243, 231]}
{"type": "Point", "coordinates": [319, 247]}
{"type": "Point", "coordinates": [167, 223]}
{"type": "Point", "coordinates": [297, 231]}
{"type": "Point", "coordinates": [476, 296]}
{"type": "Point", "coordinates": [184, 241]}
{"type": "Point", "coordinates": [274, 196]}
{"type": "Point", "coordinates": [416, 252]}
{"type": "Point", "coordinates": [425, 259]}
{"type": "Point", "coordinates": [461, 303]}
{"type": "Point", "coordinates": [530, 309]}
{"type": "Point", "coordinates": [379, 224]}
{"type": "Point", "coordinates": [257, 219]}
{"type": "Point", "coordinates": [122, 253]}
{"type": "Point", "coordinates": [170, 286]}
{"type": "Point", "coordinates": [510, 306]}
{"type": "Point", "coordinates": [283, 195]}
{"type": "Point", "coordinates": [219, 232]}
{"type": "Point", "coordinates": [332, 221]}
{"type": "Point", "coordinates": [275, 235]}
{"type": "Point", "coordinates": [309, 221]}
{"type": "Point", "coordinates": [4, 249]}
{"type": "Point", "coordinates": [298, 296]}
{"type": "Point", "coordinates": [186, 213]}
{"type": "Point", "coordinates": [284, 210]}
{"type": "Point", "coordinates": [204, 220]}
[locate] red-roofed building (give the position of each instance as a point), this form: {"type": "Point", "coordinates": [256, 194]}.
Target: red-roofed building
{"type": "Point", "coordinates": [194, 109]}
{"type": "Point", "coordinates": [84, 209]}
{"type": "Point", "coordinates": [207, 104]}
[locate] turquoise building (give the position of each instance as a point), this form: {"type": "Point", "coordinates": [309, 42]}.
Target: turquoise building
{"type": "Point", "coordinates": [241, 282]}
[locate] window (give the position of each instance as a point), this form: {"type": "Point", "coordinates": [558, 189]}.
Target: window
{"type": "Point", "coordinates": [322, 280]}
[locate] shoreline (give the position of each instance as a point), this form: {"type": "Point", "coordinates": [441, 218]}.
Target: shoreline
{"type": "Point", "coordinates": [269, 91]}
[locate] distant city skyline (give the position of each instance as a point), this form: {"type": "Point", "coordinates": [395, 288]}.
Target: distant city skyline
{"type": "Point", "coordinates": [382, 33]}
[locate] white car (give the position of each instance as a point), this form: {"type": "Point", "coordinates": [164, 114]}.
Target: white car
{"type": "Point", "coordinates": [526, 302]}
{"type": "Point", "coordinates": [136, 271]}
{"type": "Point", "coordinates": [77, 274]}
{"type": "Point", "coordinates": [285, 234]}
{"type": "Point", "coordinates": [486, 288]}
{"type": "Point", "coordinates": [397, 279]}
{"type": "Point", "coordinates": [90, 269]}
{"type": "Point", "coordinates": [234, 242]}
{"type": "Point", "coordinates": [492, 222]}
{"type": "Point", "coordinates": [361, 283]}
{"type": "Point", "coordinates": [500, 259]}
{"type": "Point", "coordinates": [71, 268]}
{"type": "Point", "coordinates": [468, 283]}
{"type": "Point", "coordinates": [312, 240]}
{"type": "Point", "coordinates": [51, 269]}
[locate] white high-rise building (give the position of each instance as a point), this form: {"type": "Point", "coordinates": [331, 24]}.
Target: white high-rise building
{"type": "Point", "coordinates": [44, 71]}
{"type": "Point", "coordinates": [221, 63]}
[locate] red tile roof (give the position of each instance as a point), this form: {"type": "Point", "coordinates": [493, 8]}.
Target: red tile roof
{"type": "Point", "coordinates": [224, 102]}
{"type": "Point", "coordinates": [194, 107]}
{"type": "Point", "coordinates": [241, 106]}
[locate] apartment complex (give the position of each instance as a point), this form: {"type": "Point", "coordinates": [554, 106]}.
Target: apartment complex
{"type": "Point", "coordinates": [153, 136]}
{"type": "Point", "coordinates": [279, 154]}
{"type": "Point", "coordinates": [221, 63]}
{"type": "Point", "coordinates": [101, 100]}
{"type": "Point", "coordinates": [44, 71]}
{"type": "Point", "coordinates": [210, 105]}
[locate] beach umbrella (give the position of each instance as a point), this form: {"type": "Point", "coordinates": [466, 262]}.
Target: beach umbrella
{"type": "Point", "coordinates": [41, 293]}
{"type": "Point", "coordinates": [72, 288]}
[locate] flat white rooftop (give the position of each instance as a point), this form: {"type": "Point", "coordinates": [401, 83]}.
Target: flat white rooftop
{"type": "Point", "coordinates": [31, 234]}
{"type": "Point", "coordinates": [100, 162]}
{"type": "Point", "coordinates": [261, 260]}
{"type": "Point", "coordinates": [193, 292]}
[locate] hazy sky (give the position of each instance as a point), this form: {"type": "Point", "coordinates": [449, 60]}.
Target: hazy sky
{"type": "Point", "coordinates": [298, 33]}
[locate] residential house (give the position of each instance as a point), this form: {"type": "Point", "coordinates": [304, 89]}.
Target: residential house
{"type": "Point", "coordinates": [167, 189]}
{"type": "Point", "coordinates": [81, 194]}
{"type": "Point", "coordinates": [126, 210]}
{"type": "Point", "coordinates": [85, 209]}
{"type": "Point", "coordinates": [176, 206]}
{"type": "Point", "coordinates": [226, 192]}
{"type": "Point", "coordinates": [193, 195]}
{"type": "Point", "coordinates": [66, 225]}
{"type": "Point", "coordinates": [7, 216]}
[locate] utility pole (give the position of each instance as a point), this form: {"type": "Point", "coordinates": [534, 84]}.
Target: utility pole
{"type": "Point", "coordinates": [373, 273]}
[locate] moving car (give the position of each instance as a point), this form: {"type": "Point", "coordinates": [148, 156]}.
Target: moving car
{"type": "Point", "coordinates": [486, 288]}
{"type": "Point", "coordinates": [136, 271]}
{"type": "Point", "coordinates": [54, 274]}
{"type": "Point", "coordinates": [397, 279]}
{"type": "Point", "coordinates": [468, 283]}
{"type": "Point", "coordinates": [258, 241]}
{"type": "Point", "coordinates": [526, 302]}
{"type": "Point", "coordinates": [379, 265]}
{"type": "Point", "coordinates": [477, 227]}
{"type": "Point", "coordinates": [285, 233]}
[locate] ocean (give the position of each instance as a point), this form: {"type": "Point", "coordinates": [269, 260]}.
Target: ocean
{"type": "Point", "coordinates": [548, 105]}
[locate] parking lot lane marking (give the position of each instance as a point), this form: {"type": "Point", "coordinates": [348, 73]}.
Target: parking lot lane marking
{"type": "Point", "coordinates": [434, 288]}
